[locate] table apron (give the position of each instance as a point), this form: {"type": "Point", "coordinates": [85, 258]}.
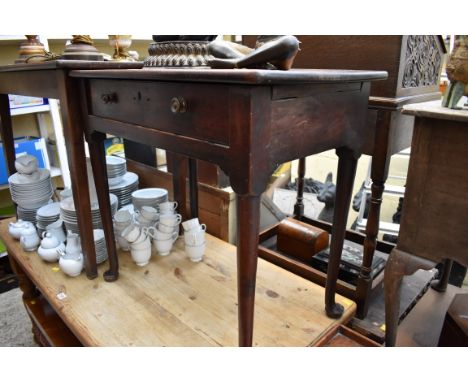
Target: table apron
{"type": "Point", "coordinates": [35, 83]}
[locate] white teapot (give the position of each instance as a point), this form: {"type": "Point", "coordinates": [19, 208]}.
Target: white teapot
{"type": "Point", "coordinates": [71, 264]}
{"type": "Point", "coordinates": [49, 248]}
{"type": "Point", "coordinates": [17, 229]}
{"type": "Point", "coordinates": [29, 239]}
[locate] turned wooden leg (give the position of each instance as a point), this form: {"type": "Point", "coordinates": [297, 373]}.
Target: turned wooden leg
{"type": "Point", "coordinates": [344, 188]}
{"type": "Point", "coordinates": [193, 177]}
{"type": "Point", "coordinates": [379, 175]}
{"type": "Point", "coordinates": [299, 206]}
{"type": "Point", "coordinates": [399, 264]}
{"type": "Point", "coordinates": [179, 183]}
{"type": "Point", "coordinates": [248, 220]}
{"type": "Point", "coordinates": [7, 133]}
{"type": "Point", "coordinates": [441, 285]}
{"type": "Point", "coordinates": [26, 285]}
{"type": "Point", "coordinates": [98, 162]}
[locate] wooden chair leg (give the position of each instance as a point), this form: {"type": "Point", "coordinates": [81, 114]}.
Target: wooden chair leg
{"type": "Point", "coordinates": [193, 187]}
{"type": "Point", "coordinates": [299, 206]}
{"type": "Point", "coordinates": [399, 264]}
{"type": "Point", "coordinates": [344, 185]}
{"type": "Point", "coordinates": [441, 284]}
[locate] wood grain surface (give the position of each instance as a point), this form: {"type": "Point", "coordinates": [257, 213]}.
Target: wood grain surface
{"type": "Point", "coordinates": [175, 302]}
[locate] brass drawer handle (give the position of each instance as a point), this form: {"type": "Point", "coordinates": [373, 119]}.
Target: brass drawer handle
{"type": "Point", "coordinates": [178, 105]}
{"type": "Point", "coordinates": [109, 98]}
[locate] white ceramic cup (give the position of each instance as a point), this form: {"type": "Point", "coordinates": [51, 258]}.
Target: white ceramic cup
{"type": "Point", "coordinates": [149, 213]}
{"type": "Point", "coordinates": [170, 220]}
{"type": "Point", "coordinates": [167, 207]}
{"type": "Point", "coordinates": [142, 237]}
{"type": "Point", "coordinates": [131, 233]}
{"type": "Point", "coordinates": [146, 243]}
{"type": "Point", "coordinates": [195, 253]}
{"type": "Point", "coordinates": [194, 237]}
{"type": "Point", "coordinates": [156, 234]}
{"type": "Point", "coordinates": [141, 256]}
{"type": "Point", "coordinates": [123, 243]}
{"type": "Point", "coordinates": [164, 228]}
{"type": "Point", "coordinates": [123, 217]}
{"type": "Point", "coordinates": [190, 224]}
{"type": "Point", "coordinates": [163, 247]}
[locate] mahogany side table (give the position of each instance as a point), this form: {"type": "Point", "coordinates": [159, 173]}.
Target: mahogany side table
{"type": "Point", "coordinates": [50, 80]}
{"type": "Point", "coordinates": [433, 225]}
{"type": "Point", "coordinates": [247, 122]}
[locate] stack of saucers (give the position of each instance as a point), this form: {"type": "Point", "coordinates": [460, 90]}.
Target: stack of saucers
{"type": "Point", "coordinates": [68, 213]}
{"type": "Point", "coordinates": [149, 197]}
{"type": "Point", "coordinates": [124, 189]}
{"type": "Point", "coordinates": [116, 169]}
{"type": "Point", "coordinates": [30, 192]}
{"type": "Point", "coordinates": [100, 246]}
{"type": "Point", "coordinates": [46, 215]}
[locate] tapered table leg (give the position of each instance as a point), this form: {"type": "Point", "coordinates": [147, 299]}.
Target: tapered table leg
{"type": "Point", "coordinates": [74, 136]}
{"type": "Point", "coordinates": [248, 220]}
{"type": "Point", "coordinates": [299, 206]}
{"type": "Point", "coordinates": [98, 162]}
{"type": "Point", "coordinates": [193, 184]}
{"type": "Point", "coordinates": [344, 187]}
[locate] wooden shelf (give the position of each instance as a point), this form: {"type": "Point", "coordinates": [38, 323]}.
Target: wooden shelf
{"type": "Point", "coordinates": [52, 329]}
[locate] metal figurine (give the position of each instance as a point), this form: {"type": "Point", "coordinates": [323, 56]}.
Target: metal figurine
{"type": "Point", "coordinates": [457, 72]}
{"type": "Point", "coordinates": [271, 52]}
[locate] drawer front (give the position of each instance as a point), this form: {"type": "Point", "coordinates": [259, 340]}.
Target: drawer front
{"type": "Point", "coordinates": [195, 110]}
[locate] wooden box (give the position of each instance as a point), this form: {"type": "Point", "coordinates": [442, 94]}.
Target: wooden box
{"type": "Point", "coordinates": [301, 240]}
{"type": "Point", "coordinates": [413, 62]}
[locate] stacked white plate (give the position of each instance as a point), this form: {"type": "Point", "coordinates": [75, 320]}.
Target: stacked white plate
{"type": "Point", "coordinates": [149, 197]}
{"type": "Point", "coordinates": [31, 191]}
{"type": "Point", "coordinates": [68, 213]}
{"type": "Point", "coordinates": [100, 246]}
{"type": "Point", "coordinates": [46, 215]}
{"type": "Point", "coordinates": [124, 189]}
{"type": "Point", "coordinates": [29, 215]}
{"type": "Point", "coordinates": [116, 169]}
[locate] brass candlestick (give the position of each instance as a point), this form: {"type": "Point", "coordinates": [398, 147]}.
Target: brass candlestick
{"type": "Point", "coordinates": [82, 48]}
{"type": "Point", "coordinates": [29, 49]}
{"type": "Point", "coordinates": [120, 43]}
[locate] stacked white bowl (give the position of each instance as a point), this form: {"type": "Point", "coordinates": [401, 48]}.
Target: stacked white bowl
{"type": "Point", "coordinates": [100, 246]}
{"type": "Point", "coordinates": [30, 187]}
{"type": "Point", "coordinates": [68, 213]}
{"type": "Point", "coordinates": [121, 182]}
{"type": "Point", "coordinates": [149, 197]}
{"type": "Point", "coordinates": [46, 215]}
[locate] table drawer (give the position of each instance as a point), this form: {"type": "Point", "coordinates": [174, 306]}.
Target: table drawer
{"type": "Point", "coordinates": [198, 111]}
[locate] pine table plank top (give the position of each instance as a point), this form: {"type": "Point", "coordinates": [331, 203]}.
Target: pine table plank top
{"type": "Point", "coordinates": [175, 302]}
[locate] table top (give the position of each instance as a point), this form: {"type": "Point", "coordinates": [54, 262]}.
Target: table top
{"type": "Point", "coordinates": [238, 76]}
{"type": "Point", "coordinates": [175, 302]}
{"type": "Point", "coordinates": [434, 109]}
{"type": "Point", "coordinates": [70, 64]}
